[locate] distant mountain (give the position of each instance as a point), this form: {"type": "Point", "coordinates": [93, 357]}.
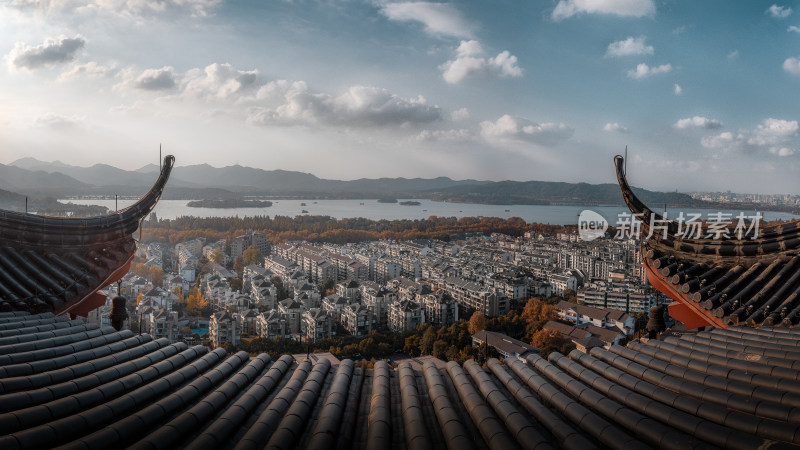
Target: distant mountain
{"type": "Point", "coordinates": [17, 179]}
{"type": "Point", "coordinates": [202, 181]}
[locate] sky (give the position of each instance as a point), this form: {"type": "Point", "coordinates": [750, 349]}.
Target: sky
{"type": "Point", "coordinates": [703, 94]}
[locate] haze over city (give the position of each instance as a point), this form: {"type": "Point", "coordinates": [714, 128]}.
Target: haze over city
{"type": "Point", "coordinates": [703, 93]}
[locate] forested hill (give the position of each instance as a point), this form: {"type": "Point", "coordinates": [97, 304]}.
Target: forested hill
{"type": "Point", "coordinates": [547, 192]}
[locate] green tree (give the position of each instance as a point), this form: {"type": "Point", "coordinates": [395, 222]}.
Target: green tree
{"type": "Point", "coordinates": [440, 349]}
{"type": "Point", "coordinates": [279, 287]}
{"type": "Point", "coordinates": [426, 343]}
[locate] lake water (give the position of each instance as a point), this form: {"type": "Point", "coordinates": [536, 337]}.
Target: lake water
{"type": "Point", "coordinates": [372, 209]}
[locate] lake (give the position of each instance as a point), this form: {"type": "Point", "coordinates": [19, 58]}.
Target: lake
{"type": "Point", "coordinates": [373, 210]}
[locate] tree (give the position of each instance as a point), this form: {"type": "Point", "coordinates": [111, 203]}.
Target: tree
{"type": "Point", "coordinates": [537, 310]}
{"type": "Point", "coordinates": [426, 343]}
{"type": "Point", "coordinates": [217, 256]}
{"type": "Point", "coordinates": [238, 266]}
{"type": "Point", "coordinates": [252, 255]}
{"type": "Point", "coordinates": [280, 289]}
{"type": "Point", "coordinates": [547, 341]}
{"type": "Point", "coordinates": [141, 270]}
{"type": "Point", "coordinates": [156, 275]}
{"type": "Point", "coordinates": [328, 287]}
{"type": "Point", "coordinates": [139, 298]}
{"type": "Point", "coordinates": [197, 304]}
{"type": "Point", "coordinates": [477, 322]}
{"type": "Point", "coordinates": [440, 349]}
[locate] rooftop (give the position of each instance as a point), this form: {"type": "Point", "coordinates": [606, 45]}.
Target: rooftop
{"type": "Point", "coordinates": [67, 382]}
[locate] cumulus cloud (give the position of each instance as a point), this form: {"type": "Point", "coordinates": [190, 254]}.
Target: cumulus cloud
{"type": "Point", "coordinates": [776, 136]}
{"type": "Point", "coordinates": [697, 122]}
{"type": "Point", "coordinates": [643, 71]}
{"type": "Point", "coordinates": [677, 89]}
{"type": "Point", "coordinates": [460, 135]}
{"type": "Point", "coordinates": [792, 65]}
{"type": "Point", "coordinates": [629, 47]}
{"type": "Point", "coordinates": [778, 12]}
{"type": "Point", "coordinates": [221, 82]}
{"type": "Point", "coordinates": [125, 8]}
{"type": "Point", "coordinates": [50, 53]}
{"type": "Point", "coordinates": [510, 128]}
{"type": "Point", "coordinates": [615, 127]}
{"type": "Point", "coordinates": [624, 8]}
{"type": "Point", "coordinates": [360, 106]}
{"type": "Point", "coordinates": [155, 79]}
{"type": "Point", "coordinates": [469, 63]}
{"type": "Point", "coordinates": [90, 69]}
{"type": "Point", "coordinates": [793, 28]}
{"type": "Point", "coordinates": [439, 19]}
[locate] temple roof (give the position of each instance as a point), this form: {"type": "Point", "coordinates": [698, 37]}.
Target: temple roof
{"type": "Point", "coordinates": [58, 264]}
{"type": "Point", "coordinates": [73, 384]}
{"type": "Point", "coordinates": [721, 278]}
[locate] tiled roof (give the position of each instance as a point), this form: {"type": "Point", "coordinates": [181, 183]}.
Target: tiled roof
{"type": "Point", "coordinates": [72, 384]}
{"type": "Point", "coordinates": [58, 264]}
{"type": "Point", "coordinates": [721, 280]}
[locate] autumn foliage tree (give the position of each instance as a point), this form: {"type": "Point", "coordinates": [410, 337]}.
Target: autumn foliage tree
{"type": "Point", "coordinates": [252, 256]}
{"type": "Point", "coordinates": [547, 341]}
{"type": "Point", "coordinates": [477, 322]}
{"type": "Point", "coordinates": [196, 303]}
{"type": "Point", "coordinates": [156, 275]}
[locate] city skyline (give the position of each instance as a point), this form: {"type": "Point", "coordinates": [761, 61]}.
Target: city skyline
{"type": "Point", "coordinates": [700, 93]}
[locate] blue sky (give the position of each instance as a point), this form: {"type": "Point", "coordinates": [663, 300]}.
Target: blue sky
{"type": "Point", "coordinates": [704, 94]}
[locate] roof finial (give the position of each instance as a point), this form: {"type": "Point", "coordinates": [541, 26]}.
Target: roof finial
{"type": "Point", "coordinates": [625, 162]}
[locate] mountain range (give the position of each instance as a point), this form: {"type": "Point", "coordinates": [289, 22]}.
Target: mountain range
{"type": "Point", "coordinates": [30, 176]}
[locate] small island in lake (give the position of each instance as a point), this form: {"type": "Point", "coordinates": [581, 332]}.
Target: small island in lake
{"type": "Point", "coordinates": [410, 203]}
{"type": "Point", "coordinates": [229, 203]}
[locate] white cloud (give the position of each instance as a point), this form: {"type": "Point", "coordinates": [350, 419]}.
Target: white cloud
{"type": "Point", "coordinates": [774, 132]}
{"type": "Point", "coordinates": [460, 114]}
{"type": "Point", "coordinates": [91, 69]}
{"type": "Point", "coordinates": [677, 89]}
{"type": "Point", "coordinates": [125, 8]}
{"type": "Point", "coordinates": [794, 28]}
{"type": "Point", "coordinates": [460, 135]}
{"type": "Point", "coordinates": [361, 106]}
{"type": "Point", "coordinates": [220, 82]}
{"type": "Point", "coordinates": [509, 128]}
{"type": "Point", "coordinates": [439, 19]}
{"type": "Point", "coordinates": [643, 71]}
{"type": "Point", "coordinates": [470, 63]}
{"type": "Point", "coordinates": [733, 55]}
{"type": "Point", "coordinates": [58, 121]}
{"type": "Point", "coordinates": [625, 8]}
{"type": "Point", "coordinates": [792, 65]}
{"type": "Point", "coordinates": [775, 136]}
{"type": "Point", "coordinates": [779, 12]}
{"type": "Point", "coordinates": [154, 80]}
{"type": "Point", "coordinates": [615, 127]}
{"type": "Point", "coordinates": [50, 53]}
{"type": "Point", "coordinates": [629, 47]}
{"type": "Point", "coordinates": [697, 122]}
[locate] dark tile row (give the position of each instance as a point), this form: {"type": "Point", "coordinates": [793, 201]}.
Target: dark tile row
{"type": "Point", "coordinates": [734, 388]}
